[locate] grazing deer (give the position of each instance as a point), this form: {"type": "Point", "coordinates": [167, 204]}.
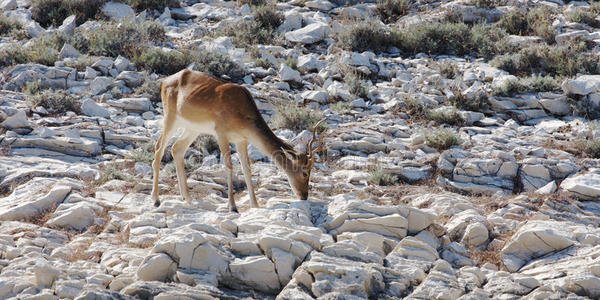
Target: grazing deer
{"type": "Point", "coordinates": [202, 104]}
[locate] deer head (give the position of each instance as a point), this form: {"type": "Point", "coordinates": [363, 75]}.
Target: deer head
{"type": "Point", "coordinates": [300, 164]}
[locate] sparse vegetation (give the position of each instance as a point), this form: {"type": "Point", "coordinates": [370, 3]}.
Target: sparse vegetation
{"type": "Point", "coordinates": [144, 152]}
{"type": "Point", "coordinates": [53, 12]}
{"type": "Point", "coordinates": [477, 103]}
{"type": "Point", "coordinates": [448, 70]}
{"type": "Point", "coordinates": [159, 5]}
{"type": "Point", "coordinates": [527, 85]}
{"type": "Point", "coordinates": [564, 60]}
{"type": "Point", "coordinates": [112, 171]}
{"type": "Point", "coordinates": [206, 143]}
{"type": "Point", "coordinates": [13, 28]}
{"type": "Point", "coordinates": [55, 101]}
{"type": "Point", "coordinates": [488, 41]}
{"type": "Point", "coordinates": [341, 107]}
{"type": "Point", "coordinates": [294, 117]}
{"type": "Point", "coordinates": [441, 138]}
{"type": "Point", "coordinates": [127, 38]}
{"type": "Point", "coordinates": [446, 116]}
{"type": "Point", "coordinates": [582, 15]}
{"type": "Point", "coordinates": [380, 176]}
{"type": "Point", "coordinates": [537, 21]}
{"type": "Point", "coordinates": [169, 62]}
{"type": "Point", "coordinates": [366, 36]}
{"type": "Point", "coordinates": [150, 87]}
{"type": "Point", "coordinates": [356, 83]}
{"type": "Point", "coordinates": [261, 30]}
{"type": "Point", "coordinates": [590, 147]}
{"type": "Point", "coordinates": [436, 38]}
{"type": "Point", "coordinates": [391, 10]}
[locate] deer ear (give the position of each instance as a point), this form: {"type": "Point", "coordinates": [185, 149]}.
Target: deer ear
{"type": "Point", "coordinates": [289, 154]}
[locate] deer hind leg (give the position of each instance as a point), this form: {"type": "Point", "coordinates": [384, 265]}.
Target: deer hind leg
{"type": "Point", "coordinates": [242, 149]}
{"type": "Point", "coordinates": [178, 150]}
{"type": "Point", "coordinates": [226, 158]}
{"type": "Point", "coordinates": [159, 150]}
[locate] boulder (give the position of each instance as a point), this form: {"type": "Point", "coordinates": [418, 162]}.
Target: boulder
{"type": "Point", "coordinates": [90, 108]}
{"type": "Point", "coordinates": [288, 74]}
{"type": "Point", "coordinates": [257, 272]}
{"type": "Point", "coordinates": [73, 216]}
{"type": "Point", "coordinates": [142, 104]}
{"type": "Point", "coordinates": [18, 120]}
{"type": "Point", "coordinates": [309, 34]}
{"type": "Point", "coordinates": [156, 266]}
{"type": "Point", "coordinates": [118, 11]}
{"type": "Point", "coordinates": [584, 186]}
{"type": "Point", "coordinates": [534, 239]}
{"type": "Point", "coordinates": [582, 85]}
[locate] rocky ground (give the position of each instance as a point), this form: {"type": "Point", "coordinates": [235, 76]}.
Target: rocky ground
{"type": "Point", "coordinates": [508, 209]}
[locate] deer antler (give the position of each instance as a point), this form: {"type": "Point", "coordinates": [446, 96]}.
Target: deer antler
{"type": "Point", "coordinates": [309, 150]}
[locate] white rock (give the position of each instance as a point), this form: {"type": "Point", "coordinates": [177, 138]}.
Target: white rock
{"type": "Point", "coordinates": [73, 216]}
{"type": "Point", "coordinates": [121, 64]}
{"type": "Point", "coordinates": [68, 51]}
{"type": "Point", "coordinates": [557, 106]}
{"type": "Point", "coordinates": [292, 21]}
{"type": "Point", "coordinates": [18, 120]}
{"type": "Point", "coordinates": [586, 186]}
{"type": "Point", "coordinates": [355, 59]}
{"type": "Point", "coordinates": [118, 11]}
{"type": "Point", "coordinates": [309, 34]}
{"type": "Point", "coordinates": [16, 207]}
{"type": "Point", "coordinates": [90, 73]}
{"type": "Point", "coordinates": [141, 104]}
{"type": "Point", "coordinates": [257, 272]}
{"type": "Point", "coordinates": [318, 96]}
{"type": "Point", "coordinates": [156, 266]}
{"type": "Point", "coordinates": [322, 5]}
{"type": "Point", "coordinates": [582, 85]}
{"type": "Point", "coordinates": [100, 85]}
{"type": "Point", "coordinates": [549, 188]}
{"type": "Point", "coordinates": [68, 25]}
{"type": "Point", "coordinates": [8, 4]}
{"type": "Point", "coordinates": [45, 274]}
{"type": "Point", "coordinates": [90, 108]}
{"type": "Point", "coordinates": [475, 234]}
{"type": "Point", "coordinates": [284, 264]}
{"type": "Point", "coordinates": [534, 239]}
{"type": "Point", "coordinates": [288, 74]}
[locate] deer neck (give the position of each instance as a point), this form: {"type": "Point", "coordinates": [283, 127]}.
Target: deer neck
{"type": "Point", "coordinates": [272, 146]}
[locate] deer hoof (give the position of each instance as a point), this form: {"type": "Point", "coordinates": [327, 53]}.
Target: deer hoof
{"type": "Point", "coordinates": [157, 203]}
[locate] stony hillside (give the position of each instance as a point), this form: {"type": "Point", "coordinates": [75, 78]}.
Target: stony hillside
{"type": "Point", "coordinates": [462, 152]}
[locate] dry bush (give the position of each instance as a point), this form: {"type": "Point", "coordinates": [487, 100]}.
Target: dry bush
{"type": "Point", "coordinates": [441, 138]}
{"type": "Point", "coordinates": [42, 217]}
{"type": "Point", "coordinates": [53, 12]}
{"type": "Point", "coordinates": [55, 101]}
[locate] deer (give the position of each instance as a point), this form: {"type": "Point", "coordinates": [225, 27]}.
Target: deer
{"type": "Point", "coordinates": [199, 103]}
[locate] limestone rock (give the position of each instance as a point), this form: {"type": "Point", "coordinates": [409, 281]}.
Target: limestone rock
{"type": "Point", "coordinates": [309, 34]}
{"type": "Point", "coordinates": [585, 186]}
{"type": "Point", "coordinates": [156, 266]}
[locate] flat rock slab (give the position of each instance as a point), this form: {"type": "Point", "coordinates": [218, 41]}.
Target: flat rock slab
{"type": "Point", "coordinates": [586, 186]}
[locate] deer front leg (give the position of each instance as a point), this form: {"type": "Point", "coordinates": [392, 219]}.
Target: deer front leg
{"type": "Point", "coordinates": [242, 148]}
{"type": "Point", "coordinates": [178, 150]}
{"type": "Point", "coordinates": [159, 151]}
{"type": "Point", "coordinates": [226, 158]}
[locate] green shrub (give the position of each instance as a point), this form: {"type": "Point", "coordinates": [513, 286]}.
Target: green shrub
{"type": "Point", "coordinates": [112, 171]}
{"type": "Point", "coordinates": [291, 62]}
{"type": "Point", "coordinates": [13, 28]}
{"type": "Point", "coordinates": [527, 85]}
{"type": "Point", "coordinates": [448, 70]}
{"type": "Point", "coordinates": [357, 85]}
{"type": "Point", "coordinates": [515, 22]}
{"type": "Point", "coordinates": [391, 10]}
{"type": "Point", "coordinates": [341, 107]}
{"type": "Point", "coordinates": [144, 152]}
{"type": "Point", "coordinates": [267, 16]}
{"type": "Point", "coordinates": [150, 87]}
{"type": "Point", "coordinates": [441, 138]}
{"type": "Point", "coordinates": [478, 103]}
{"type": "Point", "coordinates": [159, 5]}
{"type": "Point", "coordinates": [252, 2]}
{"type": "Point", "coordinates": [247, 33]}
{"type": "Point", "coordinates": [366, 36]}
{"type": "Point", "coordinates": [446, 116]}
{"type": "Point", "coordinates": [540, 21]}
{"type": "Point", "coordinates": [489, 41]}
{"type": "Point", "coordinates": [382, 177]}
{"type": "Point", "coordinates": [206, 143]}
{"type": "Point", "coordinates": [537, 21]}
{"type": "Point", "coordinates": [55, 101]}
{"type": "Point", "coordinates": [414, 108]}
{"type": "Point", "coordinates": [564, 60]}
{"type": "Point", "coordinates": [582, 15]}
{"type": "Point", "coordinates": [589, 147]}
{"type": "Point", "coordinates": [161, 61]}
{"type": "Point", "coordinates": [294, 117]}
{"type": "Point", "coordinates": [128, 39]}
{"type": "Point", "coordinates": [53, 12]}
{"type": "Point", "coordinates": [436, 38]}
{"type": "Point", "coordinates": [170, 62]}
